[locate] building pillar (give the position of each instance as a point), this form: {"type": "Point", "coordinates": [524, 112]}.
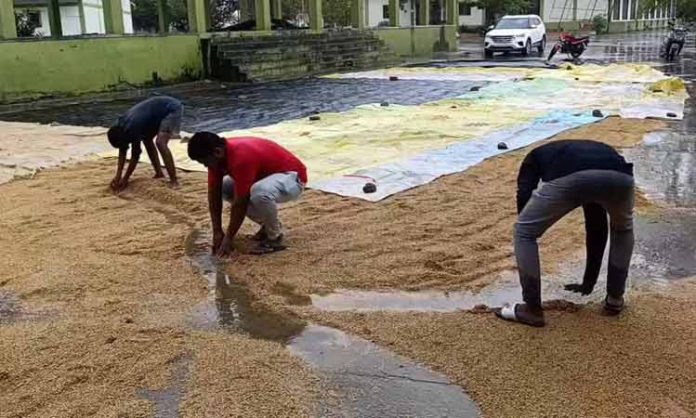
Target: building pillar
{"type": "Point", "coordinates": [276, 9]}
{"type": "Point", "coordinates": [198, 15]}
{"type": "Point", "coordinates": [316, 17]}
{"type": "Point", "coordinates": [246, 10]}
{"type": "Point", "coordinates": [575, 10]}
{"type": "Point", "coordinates": [424, 12]}
{"type": "Point", "coordinates": [452, 12]}
{"type": "Point", "coordinates": [263, 14]}
{"type": "Point", "coordinates": [394, 13]}
{"type": "Point", "coordinates": [162, 18]}
{"type": "Point", "coordinates": [54, 19]}
{"type": "Point", "coordinates": [81, 11]}
{"type": "Point", "coordinates": [358, 14]}
{"type": "Point", "coordinates": [113, 17]}
{"type": "Point", "coordinates": [8, 26]}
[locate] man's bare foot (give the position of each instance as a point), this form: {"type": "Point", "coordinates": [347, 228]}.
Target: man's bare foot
{"type": "Point", "coordinates": [158, 176]}
{"type": "Point", "coordinates": [522, 313]}
{"type": "Point", "coordinates": [174, 184]}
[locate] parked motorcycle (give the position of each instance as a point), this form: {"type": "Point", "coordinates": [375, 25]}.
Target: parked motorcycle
{"type": "Point", "coordinates": [673, 43]}
{"type": "Point", "coordinates": [569, 44]}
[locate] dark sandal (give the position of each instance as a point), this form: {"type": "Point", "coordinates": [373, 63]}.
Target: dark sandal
{"type": "Point", "coordinates": [267, 247]}
{"type": "Point", "coordinates": [260, 235]}
{"type": "Point", "coordinates": [611, 309]}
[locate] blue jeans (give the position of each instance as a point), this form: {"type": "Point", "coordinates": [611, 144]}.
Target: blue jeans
{"type": "Point", "coordinates": [265, 196]}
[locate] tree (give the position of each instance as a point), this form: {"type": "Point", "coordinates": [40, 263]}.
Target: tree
{"type": "Point", "coordinates": [685, 9]}
{"type": "Point", "coordinates": [222, 13]}
{"type": "Point", "coordinates": [497, 8]}
{"type": "Point", "coordinates": [25, 24]}
{"type": "Point", "coordinates": [146, 15]}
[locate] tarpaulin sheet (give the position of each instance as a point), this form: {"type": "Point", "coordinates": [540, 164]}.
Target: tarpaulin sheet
{"type": "Point", "coordinates": [405, 146]}
{"type": "Point", "coordinates": [412, 172]}
{"type": "Point", "coordinates": [622, 73]}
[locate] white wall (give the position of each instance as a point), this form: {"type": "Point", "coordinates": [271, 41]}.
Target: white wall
{"type": "Point", "coordinates": [554, 10]}
{"type": "Point", "coordinates": [405, 15]}
{"type": "Point", "coordinates": [474, 19]}
{"type": "Point", "coordinates": [374, 11]}
{"type": "Point", "coordinates": [586, 11]}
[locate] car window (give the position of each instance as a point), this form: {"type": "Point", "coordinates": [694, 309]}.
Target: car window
{"type": "Point", "coordinates": [538, 21]}
{"type": "Point", "coordinates": [514, 23]}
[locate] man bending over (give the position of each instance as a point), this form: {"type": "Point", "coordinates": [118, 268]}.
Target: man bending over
{"type": "Point", "coordinates": [158, 116]}
{"type": "Point", "coordinates": [574, 173]}
{"type": "Point", "coordinates": [254, 175]}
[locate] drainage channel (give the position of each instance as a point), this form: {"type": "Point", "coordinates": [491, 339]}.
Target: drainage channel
{"type": "Point", "coordinates": [369, 380]}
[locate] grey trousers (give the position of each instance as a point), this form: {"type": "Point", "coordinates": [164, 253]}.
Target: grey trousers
{"type": "Point", "coordinates": [612, 190]}
{"type": "Point", "coordinates": [265, 196]}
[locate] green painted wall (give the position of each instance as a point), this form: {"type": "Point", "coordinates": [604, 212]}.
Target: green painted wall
{"type": "Point", "coordinates": [30, 69]}
{"type": "Point", "coordinates": [420, 41]}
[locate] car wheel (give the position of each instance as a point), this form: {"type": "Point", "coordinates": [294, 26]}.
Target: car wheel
{"type": "Point", "coordinates": [542, 46]}
{"type": "Point", "coordinates": [488, 53]}
{"type": "Point", "coordinates": [527, 49]}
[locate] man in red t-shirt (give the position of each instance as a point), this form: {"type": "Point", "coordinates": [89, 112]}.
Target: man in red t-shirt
{"type": "Point", "coordinates": [254, 174]}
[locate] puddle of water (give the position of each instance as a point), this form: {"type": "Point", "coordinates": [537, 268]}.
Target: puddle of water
{"type": "Point", "coordinates": [168, 400]}
{"type": "Point", "coordinates": [373, 382]}
{"type": "Point", "coordinates": [9, 307]}
{"type": "Point", "coordinates": [230, 305]}
{"type": "Point", "coordinates": [505, 290]}
{"type": "Point", "coordinates": [665, 248]}
{"type": "Point", "coordinates": [11, 310]}
{"type": "Point", "coordinates": [369, 381]}
{"type": "Point", "coordinates": [665, 166]}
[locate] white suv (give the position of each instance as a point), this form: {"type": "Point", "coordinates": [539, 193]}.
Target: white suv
{"type": "Point", "coordinates": [516, 33]}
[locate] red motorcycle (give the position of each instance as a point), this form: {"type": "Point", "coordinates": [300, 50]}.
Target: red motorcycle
{"type": "Point", "coordinates": [569, 44]}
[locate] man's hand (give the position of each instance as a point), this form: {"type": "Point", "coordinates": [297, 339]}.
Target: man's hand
{"type": "Point", "coordinates": [579, 288]}
{"type": "Point", "coordinates": [218, 237]}
{"type": "Point", "coordinates": [226, 247]}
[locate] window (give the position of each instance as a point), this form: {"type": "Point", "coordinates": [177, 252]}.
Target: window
{"type": "Point", "coordinates": [537, 21]}
{"type": "Point", "coordinates": [617, 10]}
{"type": "Point", "coordinates": [624, 10]}
{"type": "Point", "coordinates": [513, 23]}
{"type": "Point", "coordinates": [464, 9]}
{"type": "Point", "coordinates": [385, 11]}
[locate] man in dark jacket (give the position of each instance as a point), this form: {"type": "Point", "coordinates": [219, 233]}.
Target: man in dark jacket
{"type": "Point", "coordinates": [573, 173]}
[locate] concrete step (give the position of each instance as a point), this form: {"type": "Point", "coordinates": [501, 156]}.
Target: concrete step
{"type": "Point", "coordinates": [251, 48]}
{"type": "Point", "coordinates": [291, 56]}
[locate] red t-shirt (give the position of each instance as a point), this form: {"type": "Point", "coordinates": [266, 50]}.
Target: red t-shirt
{"type": "Point", "coordinates": [251, 159]}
